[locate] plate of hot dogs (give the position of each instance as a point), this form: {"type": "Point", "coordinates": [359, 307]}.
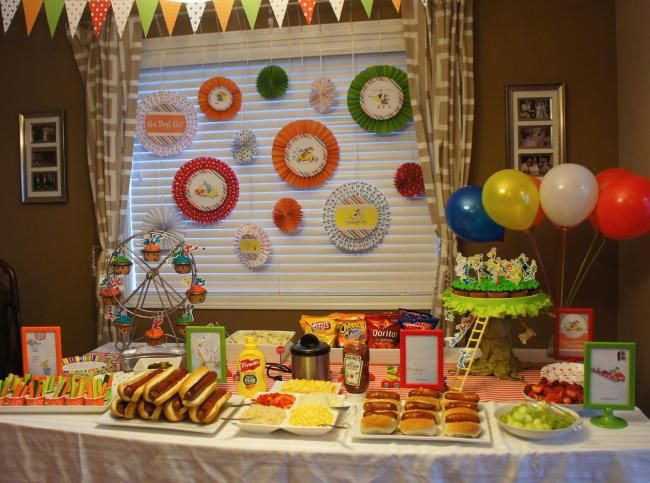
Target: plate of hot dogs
{"type": "Point", "coordinates": [172, 399]}
{"type": "Point", "coordinates": [425, 415]}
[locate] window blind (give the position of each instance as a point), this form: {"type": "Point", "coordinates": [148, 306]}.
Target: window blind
{"type": "Point", "coordinates": [305, 270]}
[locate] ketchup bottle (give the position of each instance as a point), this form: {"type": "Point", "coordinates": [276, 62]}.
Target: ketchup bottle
{"type": "Point", "coordinates": [356, 371]}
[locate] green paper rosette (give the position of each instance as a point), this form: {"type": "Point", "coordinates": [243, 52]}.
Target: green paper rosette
{"type": "Point", "coordinates": [272, 82]}
{"type": "Point", "coordinates": [378, 99]}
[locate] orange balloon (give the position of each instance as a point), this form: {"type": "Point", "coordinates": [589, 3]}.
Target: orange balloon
{"type": "Point", "coordinates": [540, 213]}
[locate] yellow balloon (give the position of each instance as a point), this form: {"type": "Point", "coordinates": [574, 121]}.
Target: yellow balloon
{"type": "Point", "coordinates": [511, 199]}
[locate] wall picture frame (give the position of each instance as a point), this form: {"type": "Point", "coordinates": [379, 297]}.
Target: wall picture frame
{"type": "Point", "coordinates": [206, 347]}
{"type": "Point", "coordinates": [41, 351]}
{"type": "Point", "coordinates": [536, 127]}
{"type": "Point", "coordinates": [43, 174]}
{"type": "Point", "coordinates": [421, 358]}
{"type": "Point", "coordinates": [573, 327]}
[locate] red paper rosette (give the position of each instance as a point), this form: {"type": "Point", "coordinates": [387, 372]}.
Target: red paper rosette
{"type": "Point", "coordinates": [303, 138]}
{"type": "Point", "coordinates": [205, 190]}
{"type": "Point", "coordinates": [287, 215]}
{"type": "Point", "coordinates": [409, 181]}
{"type": "Point", "coordinates": [219, 98]}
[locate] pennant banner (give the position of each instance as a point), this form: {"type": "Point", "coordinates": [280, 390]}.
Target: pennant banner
{"type": "Point", "coordinates": [31, 7]}
{"type": "Point", "coordinates": [170, 12]}
{"type": "Point", "coordinates": [397, 4]}
{"type": "Point", "coordinates": [146, 9]}
{"type": "Point", "coordinates": [367, 6]}
{"type": "Point", "coordinates": [121, 12]}
{"type": "Point", "coordinates": [307, 7]}
{"type": "Point", "coordinates": [74, 9]}
{"type": "Point", "coordinates": [279, 10]}
{"type": "Point", "coordinates": [337, 6]}
{"type": "Point", "coordinates": [8, 8]}
{"type": "Point", "coordinates": [195, 12]}
{"type": "Point", "coordinates": [223, 9]}
{"type": "Point", "coordinates": [251, 8]}
{"type": "Point", "coordinates": [53, 9]}
{"type": "Point", "coordinates": [98, 12]}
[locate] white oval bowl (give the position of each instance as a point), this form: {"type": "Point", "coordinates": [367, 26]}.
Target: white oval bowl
{"type": "Point", "coordinates": [531, 433]}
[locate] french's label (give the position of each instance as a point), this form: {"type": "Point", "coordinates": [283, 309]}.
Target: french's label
{"type": "Point", "coordinates": [249, 364]}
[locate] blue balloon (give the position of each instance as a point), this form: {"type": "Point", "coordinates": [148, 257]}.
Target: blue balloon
{"type": "Point", "coordinates": [467, 218]}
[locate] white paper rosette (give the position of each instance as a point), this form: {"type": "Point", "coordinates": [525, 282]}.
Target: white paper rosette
{"type": "Point", "coordinates": [165, 218]}
{"type": "Point", "coordinates": [244, 145]}
{"type": "Point", "coordinates": [357, 199]}
{"type": "Point", "coordinates": [252, 245]}
{"type": "Point", "coordinates": [322, 95]}
{"type": "Point", "coordinates": [162, 141]}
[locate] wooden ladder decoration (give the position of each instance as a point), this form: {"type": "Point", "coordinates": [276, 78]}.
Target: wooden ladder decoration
{"type": "Point", "coordinates": [473, 343]}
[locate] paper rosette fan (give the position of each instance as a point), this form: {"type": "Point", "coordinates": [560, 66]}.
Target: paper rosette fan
{"type": "Point", "coordinates": [219, 98]}
{"type": "Point", "coordinates": [165, 218]}
{"type": "Point", "coordinates": [305, 153]}
{"type": "Point", "coordinates": [322, 95]}
{"type": "Point", "coordinates": [244, 145]}
{"type": "Point", "coordinates": [252, 245]}
{"type": "Point", "coordinates": [378, 99]}
{"type": "Point", "coordinates": [272, 82]}
{"type": "Point", "coordinates": [409, 181]}
{"type": "Point", "coordinates": [287, 215]}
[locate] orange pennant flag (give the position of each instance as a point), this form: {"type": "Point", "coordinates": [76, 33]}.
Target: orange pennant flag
{"type": "Point", "coordinates": [31, 7]}
{"type": "Point", "coordinates": [170, 12]}
{"type": "Point", "coordinates": [98, 12]}
{"type": "Point", "coordinates": [308, 7]}
{"type": "Point", "coordinates": [397, 4]}
{"type": "Point", "coordinates": [223, 9]}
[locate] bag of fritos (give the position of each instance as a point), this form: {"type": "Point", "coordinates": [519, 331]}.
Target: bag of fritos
{"type": "Point", "coordinates": [322, 326]}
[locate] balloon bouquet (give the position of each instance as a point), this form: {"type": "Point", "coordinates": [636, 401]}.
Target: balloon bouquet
{"type": "Point", "coordinates": [616, 202]}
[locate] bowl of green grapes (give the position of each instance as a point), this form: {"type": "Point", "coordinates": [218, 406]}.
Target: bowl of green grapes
{"type": "Point", "coordinates": [537, 420]}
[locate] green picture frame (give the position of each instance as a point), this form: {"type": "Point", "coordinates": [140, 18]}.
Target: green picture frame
{"type": "Point", "coordinates": [608, 364]}
{"type": "Point", "coordinates": [206, 346]}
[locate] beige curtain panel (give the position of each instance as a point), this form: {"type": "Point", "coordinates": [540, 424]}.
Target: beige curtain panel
{"type": "Point", "coordinates": [440, 64]}
{"type": "Point", "coordinates": [110, 69]}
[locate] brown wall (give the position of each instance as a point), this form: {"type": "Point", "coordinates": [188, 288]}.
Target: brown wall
{"type": "Point", "coordinates": [550, 41]}
{"type": "Point", "coordinates": [48, 245]}
{"type": "Point", "coordinates": [632, 20]}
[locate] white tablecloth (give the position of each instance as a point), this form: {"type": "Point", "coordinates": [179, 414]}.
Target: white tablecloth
{"type": "Point", "coordinates": [74, 448]}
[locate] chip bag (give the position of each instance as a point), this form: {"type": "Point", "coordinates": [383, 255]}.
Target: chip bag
{"type": "Point", "coordinates": [322, 326]}
{"type": "Point", "coordinates": [351, 327]}
{"type": "Point", "coordinates": [383, 330]}
{"type": "Point", "coordinates": [412, 320]}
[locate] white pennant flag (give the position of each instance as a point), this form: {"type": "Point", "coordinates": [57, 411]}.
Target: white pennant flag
{"type": "Point", "coordinates": [337, 6]}
{"type": "Point", "coordinates": [121, 12]}
{"type": "Point", "coordinates": [9, 8]}
{"type": "Point", "coordinates": [195, 11]}
{"type": "Point", "coordinates": [74, 9]}
{"type": "Point", "coordinates": [279, 9]}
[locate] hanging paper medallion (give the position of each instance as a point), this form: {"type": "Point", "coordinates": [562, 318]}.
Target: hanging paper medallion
{"type": "Point", "coordinates": [252, 245]}
{"type": "Point", "coordinates": [378, 99]}
{"type": "Point", "coordinates": [305, 153]}
{"type": "Point", "coordinates": [243, 146]}
{"type": "Point", "coordinates": [356, 216]}
{"type": "Point", "coordinates": [220, 98]}
{"type": "Point", "coordinates": [287, 215]}
{"type": "Point", "coordinates": [272, 82]}
{"type": "Point", "coordinates": [409, 181]}
{"type": "Point", "coordinates": [205, 190]}
{"type": "Point", "coordinates": [165, 123]}
{"type": "Point", "coordinates": [322, 94]}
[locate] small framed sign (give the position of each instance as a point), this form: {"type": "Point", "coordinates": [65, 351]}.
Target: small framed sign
{"type": "Point", "coordinates": [610, 380]}
{"type": "Point", "coordinates": [206, 346]}
{"type": "Point", "coordinates": [421, 358]}
{"type": "Point", "coordinates": [41, 351]}
{"type": "Point", "coordinates": [573, 327]}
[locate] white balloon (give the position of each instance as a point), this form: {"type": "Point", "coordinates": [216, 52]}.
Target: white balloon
{"type": "Point", "coordinates": [568, 194]}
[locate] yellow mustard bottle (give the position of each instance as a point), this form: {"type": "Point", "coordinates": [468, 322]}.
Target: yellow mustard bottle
{"type": "Point", "coordinates": [251, 364]}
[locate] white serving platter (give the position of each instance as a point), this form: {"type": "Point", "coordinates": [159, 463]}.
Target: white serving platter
{"type": "Point", "coordinates": [229, 409]}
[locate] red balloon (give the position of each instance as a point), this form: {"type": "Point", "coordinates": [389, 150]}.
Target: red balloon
{"type": "Point", "coordinates": [540, 212]}
{"type": "Point", "coordinates": [604, 179]}
{"type": "Point", "coordinates": [623, 208]}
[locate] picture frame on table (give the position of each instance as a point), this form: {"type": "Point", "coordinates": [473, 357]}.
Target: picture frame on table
{"type": "Point", "coordinates": [206, 346]}
{"type": "Point", "coordinates": [43, 175]}
{"type": "Point", "coordinates": [573, 327]}
{"type": "Point", "coordinates": [536, 127]}
{"type": "Point", "coordinates": [41, 351]}
{"type": "Point", "coordinates": [610, 375]}
{"type": "Point", "coordinates": [421, 358]}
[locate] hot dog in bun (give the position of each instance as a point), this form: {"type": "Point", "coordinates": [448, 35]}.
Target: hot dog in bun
{"type": "Point", "coordinates": [174, 409]}
{"type": "Point", "coordinates": [163, 386]}
{"type": "Point", "coordinates": [123, 409]}
{"type": "Point", "coordinates": [147, 410]}
{"type": "Point", "coordinates": [424, 392]}
{"type": "Point", "coordinates": [383, 422]}
{"type": "Point", "coordinates": [383, 395]}
{"type": "Point", "coordinates": [450, 404]}
{"type": "Point", "coordinates": [209, 410]}
{"type": "Point", "coordinates": [421, 402]}
{"type": "Point", "coordinates": [462, 422]}
{"type": "Point", "coordinates": [131, 389]}
{"type": "Point", "coordinates": [420, 423]}
{"type": "Point", "coordinates": [198, 386]}
{"type": "Point", "coordinates": [462, 396]}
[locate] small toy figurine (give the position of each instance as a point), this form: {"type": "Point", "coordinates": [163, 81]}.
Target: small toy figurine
{"type": "Point", "coordinates": [392, 377]}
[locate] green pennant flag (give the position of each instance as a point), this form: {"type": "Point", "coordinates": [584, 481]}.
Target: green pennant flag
{"type": "Point", "coordinates": [146, 9]}
{"type": "Point", "coordinates": [53, 9]}
{"type": "Point", "coordinates": [367, 6]}
{"type": "Point", "coordinates": [251, 8]}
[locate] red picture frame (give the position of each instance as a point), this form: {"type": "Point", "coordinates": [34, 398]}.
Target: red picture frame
{"type": "Point", "coordinates": [571, 333]}
{"type": "Point", "coordinates": [417, 369]}
{"type": "Point", "coordinates": [40, 353]}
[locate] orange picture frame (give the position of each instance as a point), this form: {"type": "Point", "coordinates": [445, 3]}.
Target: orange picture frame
{"type": "Point", "coordinates": [41, 350]}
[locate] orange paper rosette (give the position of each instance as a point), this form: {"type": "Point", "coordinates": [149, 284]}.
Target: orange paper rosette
{"type": "Point", "coordinates": [287, 215]}
{"type": "Point", "coordinates": [308, 129]}
{"type": "Point", "coordinates": [207, 104]}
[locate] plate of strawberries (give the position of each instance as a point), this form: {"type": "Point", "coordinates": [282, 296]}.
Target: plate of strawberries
{"type": "Point", "coordinates": [563, 393]}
